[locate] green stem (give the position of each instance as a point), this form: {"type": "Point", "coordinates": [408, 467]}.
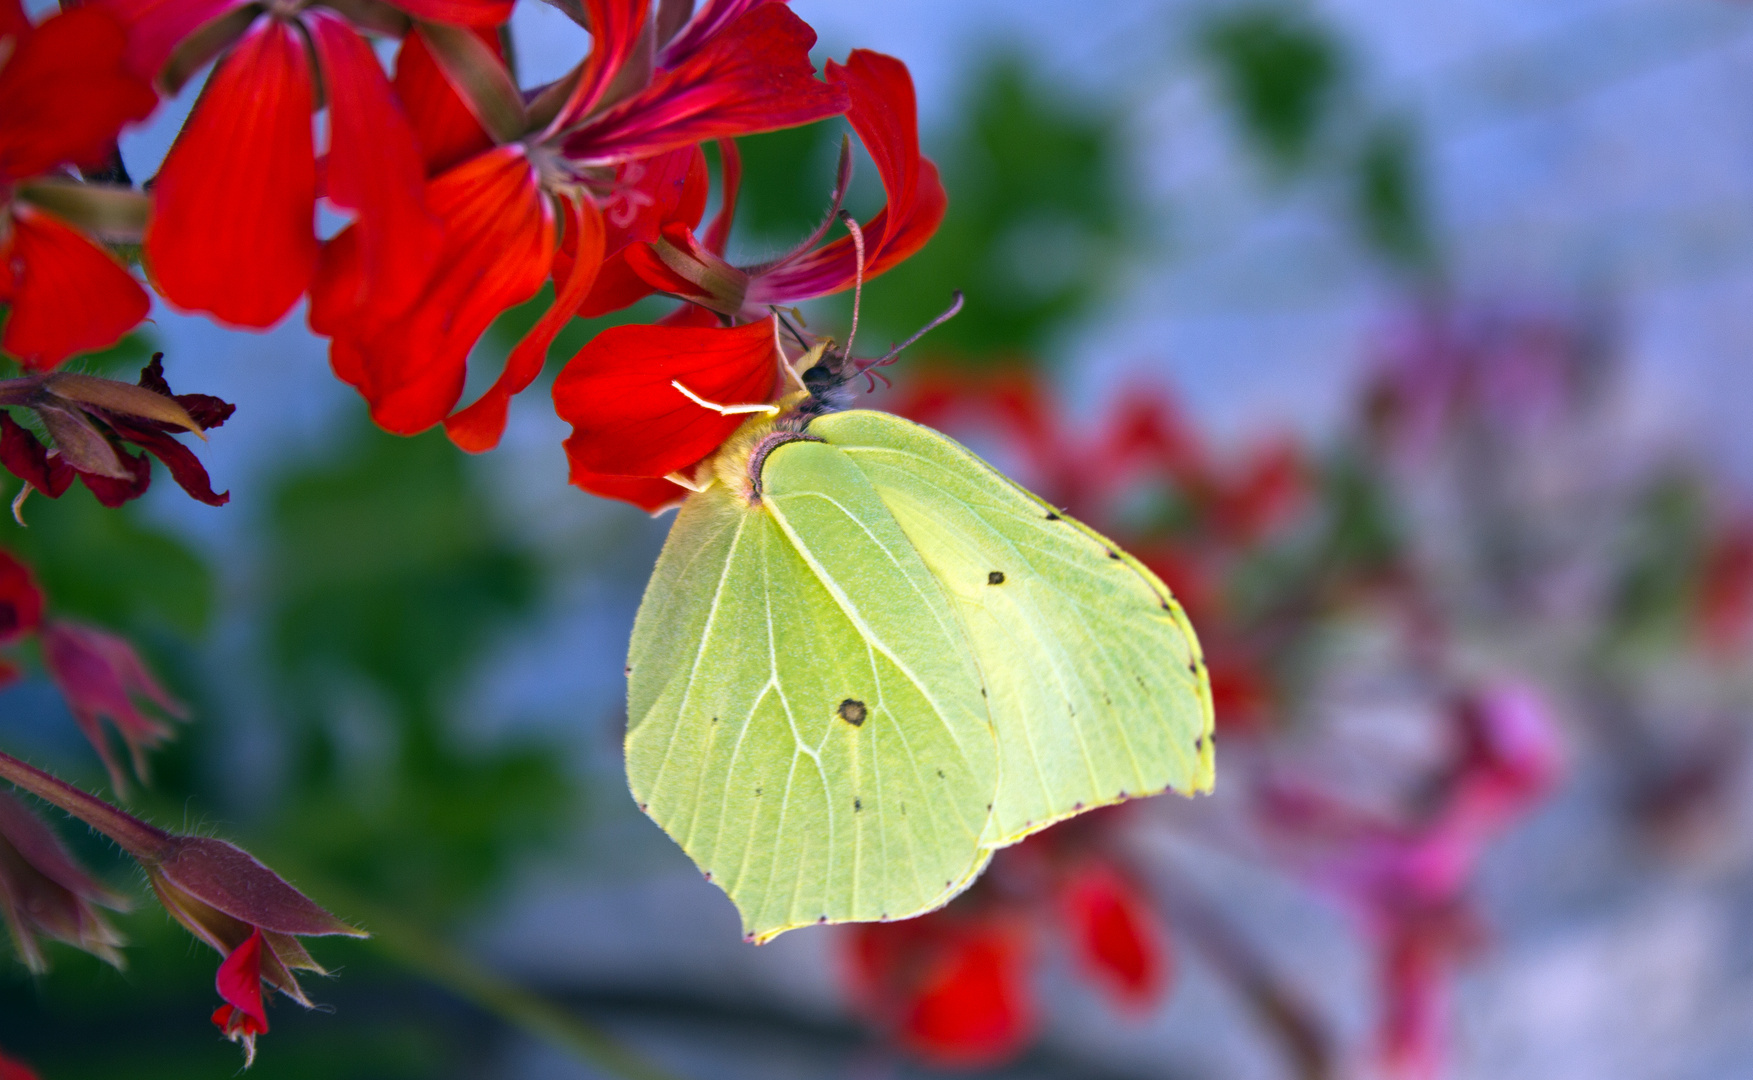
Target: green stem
{"type": "Point", "coordinates": [135, 836]}
{"type": "Point", "coordinates": [426, 955]}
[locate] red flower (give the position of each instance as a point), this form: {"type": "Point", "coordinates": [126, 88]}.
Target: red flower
{"type": "Point", "coordinates": [1115, 936]}
{"type": "Point", "coordinates": [101, 676]}
{"type": "Point", "coordinates": [953, 989]}
{"type": "Point", "coordinates": [884, 114]}
{"type": "Point", "coordinates": [233, 226]}
{"type": "Point", "coordinates": [64, 93]}
{"type": "Point", "coordinates": [239, 982]}
{"type": "Point", "coordinates": [502, 209]}
{"type": "Point", "coordinates": [634, 396]}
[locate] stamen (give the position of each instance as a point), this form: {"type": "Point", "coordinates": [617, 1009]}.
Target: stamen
{"type": "Point", "coordinates": [723, 410]}
{"type": "Point", "coordinates": [851, 224]}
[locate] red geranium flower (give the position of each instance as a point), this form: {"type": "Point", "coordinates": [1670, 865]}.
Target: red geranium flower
{"type": "Point", "coordinates": [1114, 934]}
{"type": "Point", "coordinates": [64, 93]}
{"type": "Point", "coordinates": [953, 988]}
{"type": "Point", "coordinates": [15, 1070]}
{"type": "Point", "coordinates": [102, 677]}
{"type": "Point", "coordinates": [233, 226]}
{"type": "Point", "coordinates": [884, 113]}
{"type": "Point", "coordinates": [559, 160]}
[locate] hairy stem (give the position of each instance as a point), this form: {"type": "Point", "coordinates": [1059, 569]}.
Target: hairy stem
{"type": "Point", "coordinates": [135, 836]}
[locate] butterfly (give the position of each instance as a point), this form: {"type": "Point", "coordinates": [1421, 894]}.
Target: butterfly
{"type": "Point", "coordinates": [866, 660]}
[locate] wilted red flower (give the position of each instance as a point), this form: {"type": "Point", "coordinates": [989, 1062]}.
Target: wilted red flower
{"type": "Point", "coordinates": [45, 894]}
{"type": "Point", "coordinates": [952, 987]}
{"type": "Point", "coordinates": [247, 154]}
{"type": "Point", "coordinates": [559, 161]}
{"type": "Point", "coordinates": [1115, 935]}
{"type": "Point", "coordinates": [885, 115]}
{"type": "Point", "coordinates": [64, 94]}
{"type": "Point", "coordinates": [90, 418]}
{"type": "Point", "coordinates": [101, 676]}
{"type": "Point", "coordinates": [637, 397]}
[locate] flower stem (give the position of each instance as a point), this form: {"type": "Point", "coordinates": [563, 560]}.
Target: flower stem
{"type": "Point", "coordinates": [135, 836]}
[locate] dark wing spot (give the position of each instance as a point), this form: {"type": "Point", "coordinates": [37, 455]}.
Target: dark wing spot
{"type": "Point", "coordinates": [1166, 606]}
{"type": "Point", "coordinates": [628, 670]}
{"type": "Point", "coordinates": [857, 803]}
{"type": "Point", "coordinates": [1076, 806]}
{"type": "Point", "coordinates": [715, 719]}
{"type": "Point", "coordinates": [1051, 516]}
{"type": "Point", "coordinates": [989, 808]}
{"type": "Point", "coordinates": [757, 793]}
{"type": "Point", "coordinates": [642, 809]}
{"type": "Point", "coordinates": [940, 774]}
{"type": "Point", "coordinates": [1113, 554]}
{"type": "Point", "coordinates": [995, 578]}
{"type": "Point", "coordinates": [1199, 743]}
{"type": "Point", "coordinates": [851, 711]}
{"type": "Point", "coordinates": [708, 875]}
{"type": "Point", "coordinates": [1122, 794]}
{"type": "Point", "coordinates": [821, 920]}
{"type": "Point", "coordinates": [982, 691]}
{"type": "Point", "coordinates": [1106, 700]}
{"type": "Point", "coordinates": [1193, 667]}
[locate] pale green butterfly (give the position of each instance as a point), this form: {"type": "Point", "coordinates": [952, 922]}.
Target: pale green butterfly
{"type": "Point", "coordinates": [866, 660]}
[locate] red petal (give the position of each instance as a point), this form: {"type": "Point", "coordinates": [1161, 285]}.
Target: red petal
{"type": "Point", "coordinates": [1115, 936]}
{"type": "Point", "coordinates": [479, 427]}
{"type": "Point", "coordinates": [972, 1007]}
{"type": "Point", "coordinates": [649, 194]}
{"type": "Point", "coordinates": [28, 459]}
{"type": "Point", "coordinates": [239, 982]}
{"type": "Point", "coordinates": [14, 23]}
{"type": "Point", "coordinates": [65, 92]}
{"type": "Point", "coordinates": [459, 12]}
{"type": "Point", "coordinates": [374, 167]}
{"type": "Point", "coordinates": [648, 493]}
{"type": "Point", "coordinates": [706, 24]}
{"type": "Point", "coordinates": [615, 29]}
{"type": "Point", "coordinates": [885, 115]}
{"type": "Point", "coordinates": [100, 675]}
{"type": "Point", "coordinates": [185, 468]}
{"type": "Point", "coordinates": [755, 76]}
{"type": "Point", "coordinates": [68, 295]}
{"type": "Point", "coordinates": [231, 232]}
{"type": "Point", "coordinates": [627, 418]}
{"type": "Point", "coordinates": [157, 27]}
{"type": "Point", "coordinates": [21, 602]}
{"type": "Point", "coordinates": [498, 247]}
{"type": "Point", "coordinates": [443, 125]}
{"type": "Point", "coordinates": [718, 233]}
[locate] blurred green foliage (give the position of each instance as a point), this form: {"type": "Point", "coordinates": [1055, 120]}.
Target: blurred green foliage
{"type": "Point", "coordinates": [388, 579]}
{"type": "Point", "coordinates": [1282, 72]}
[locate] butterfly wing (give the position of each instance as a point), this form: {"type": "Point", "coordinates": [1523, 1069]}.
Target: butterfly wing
{"type": "Point", "coordinates": [1098, 690]}
{"type": "Point", "coordinates": [805, 717]}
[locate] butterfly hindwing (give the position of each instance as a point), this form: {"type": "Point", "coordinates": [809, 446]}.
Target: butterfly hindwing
{"type": "Point", "coordinates": [805, 717]}
{"type": "Point", "coordinates": [1098, 691]}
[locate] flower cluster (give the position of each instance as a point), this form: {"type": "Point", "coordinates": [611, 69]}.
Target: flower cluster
{"type": "Point", "coordinates": [464, 194]}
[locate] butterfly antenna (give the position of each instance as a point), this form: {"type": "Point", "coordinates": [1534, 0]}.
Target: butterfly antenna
{"type": "Point", "coordinates": [851, 224]}
{"type": "Point", "coordinates": [865, 366]}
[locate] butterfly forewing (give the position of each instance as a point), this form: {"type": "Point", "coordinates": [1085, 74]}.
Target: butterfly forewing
{"type": "Point", "coordinates": [1098, 691]}
{"type": "Point", "coordinates": [805, 718]}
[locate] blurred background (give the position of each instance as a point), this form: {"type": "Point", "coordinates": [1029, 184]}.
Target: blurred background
{"type": "Point", "coordinates": [1407, 342]}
